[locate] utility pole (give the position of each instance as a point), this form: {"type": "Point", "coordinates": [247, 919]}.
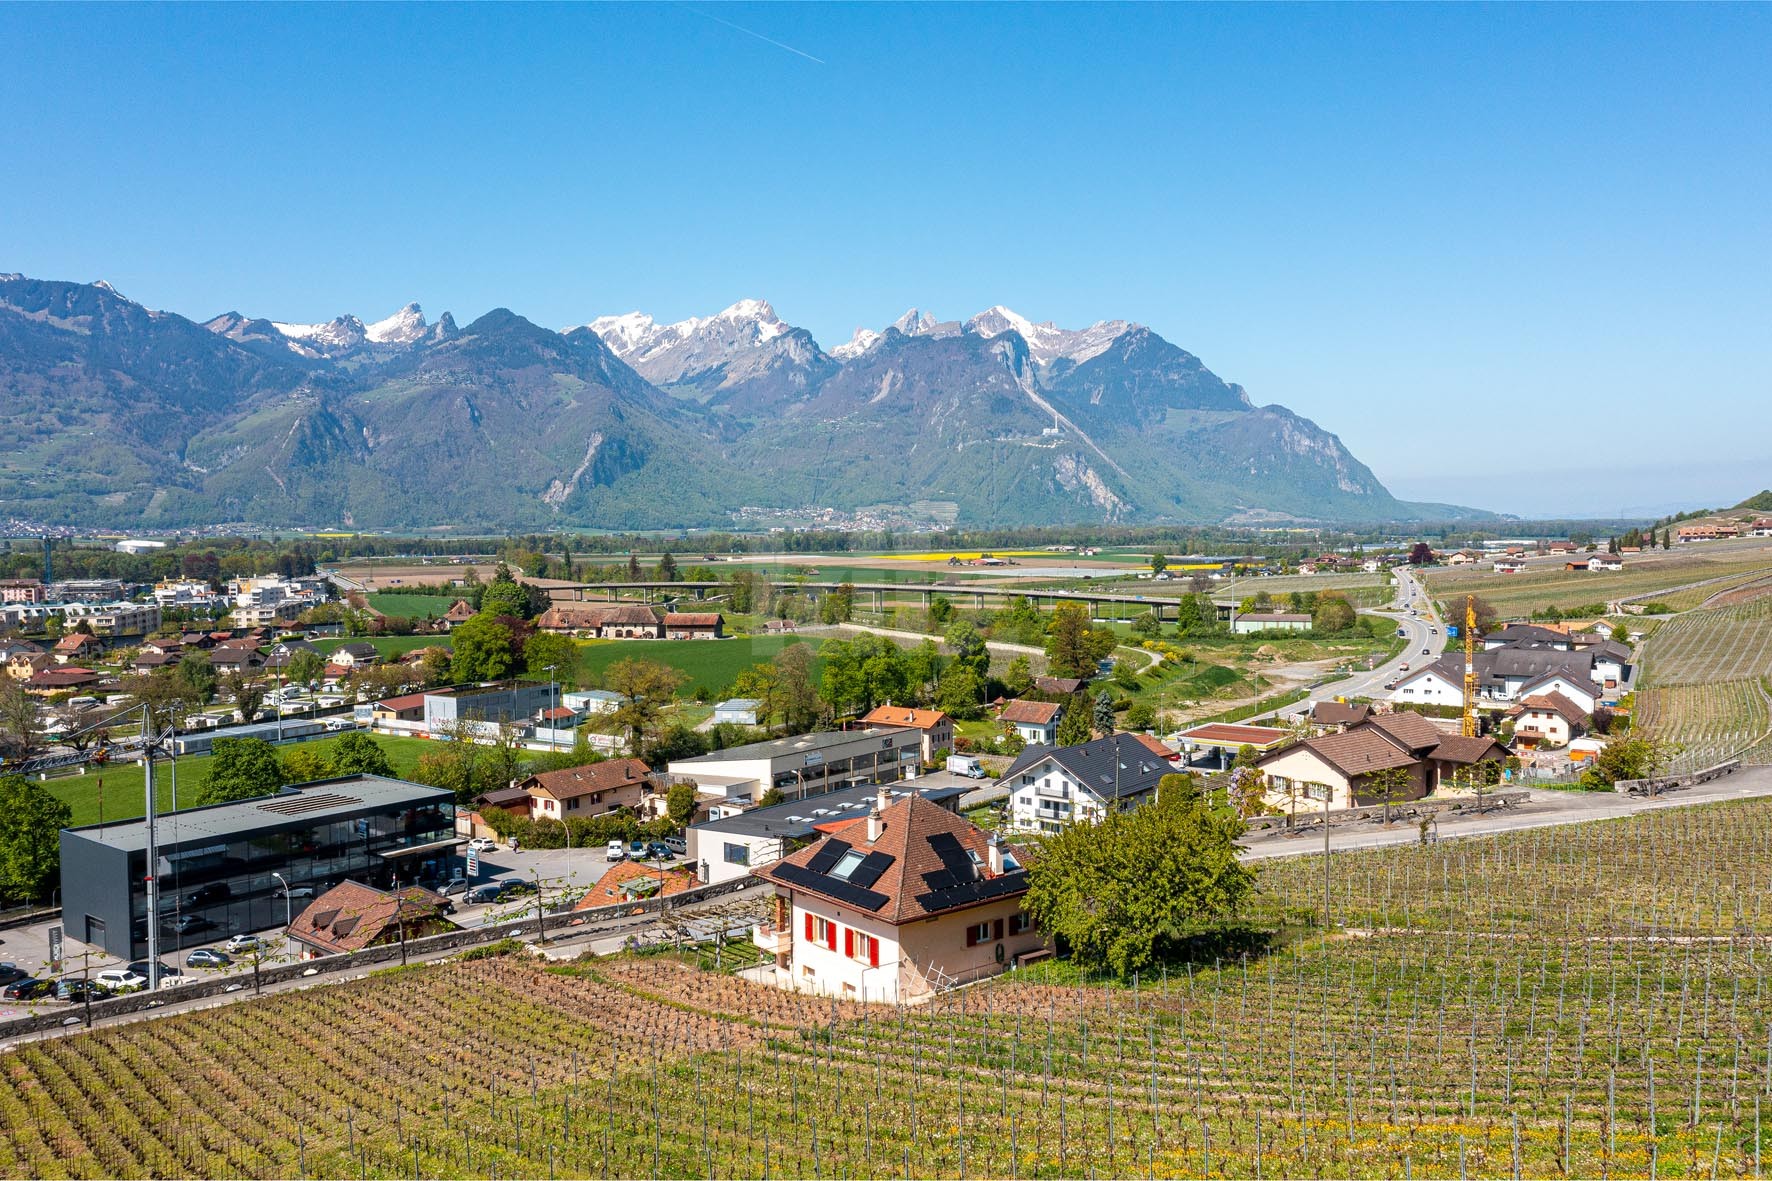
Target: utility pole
{"type": "Point", "coordinates": [152, 854]}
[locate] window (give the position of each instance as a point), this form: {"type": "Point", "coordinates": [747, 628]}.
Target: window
{"type": "Point", "coordinates": [821, 931]}
{"type": "Point", "coordinates": [737, 854]}
{"type": "Point", "coordinates": [846, 864]}
{"type": "Point", "coordinates": [1020, 924]}
{"type": "Point", "coordinates": [861, 947]}
{"type": "Point", "coordinates": [978, 933]}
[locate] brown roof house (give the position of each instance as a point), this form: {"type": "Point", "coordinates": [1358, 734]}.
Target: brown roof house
{"type": "Point", "coordinates": [1034, 721]}
{"type": "Point", "coordinates": [636, 881]}
{"type": "Point", "coordinates": [590, 790]}
{"type": "Point", "coordinates": [935, 726]}
{"type": "Point", "coordinates": [1344, 769]}
{"type": "Point", "coordinates": [1548, 721]}
{"type": "Point", "coordinates": [1338, 715]}
{"type": "Point", "coordinates": [459, 612]}
{"type": "Point", "coordinates": [619, 621]}
{"type": "Point", "coordinates": [896, 906]}
{"type": "Point", "coordinates": [76, 646]}
{"type": "Point", "coordinates": [351, 916]}
{"type": "Point", "coordinates": [694, 625]}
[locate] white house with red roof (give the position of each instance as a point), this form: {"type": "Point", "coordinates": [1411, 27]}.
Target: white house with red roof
{"type": "Point", "coordinates": [895, 906]}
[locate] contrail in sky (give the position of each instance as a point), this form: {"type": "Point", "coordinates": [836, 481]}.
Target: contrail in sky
{"type": "Point", "coordinates": [757, 35]}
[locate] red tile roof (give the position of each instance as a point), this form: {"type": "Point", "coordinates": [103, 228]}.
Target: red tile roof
{"type": "Point", "coordinates": [1029, 713]}
{"type": "Point", "coordinates": [351, 916]}
{"type": "Point", "coordinates": [588, 779]}
{"type": "Point", "coordinates": [904, 715]}
{"type": "Point", "coordinates": [1411, 729]}
{"type": "Point", "coordinates": [692, 619]}
{"type": "Point", "coordinates": [1155, 747]}
{"type": "Point", "coordinates": [630, 881]}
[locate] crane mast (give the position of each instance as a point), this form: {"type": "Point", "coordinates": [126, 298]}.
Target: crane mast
{"type": "Point", "coordinates": [1469, 727]}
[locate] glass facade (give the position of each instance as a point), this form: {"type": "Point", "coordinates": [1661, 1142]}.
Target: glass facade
{"type": "Point", "coordinates": [216, 888]}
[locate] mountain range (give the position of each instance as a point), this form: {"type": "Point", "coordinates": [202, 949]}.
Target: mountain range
{"type": "Point", "coordinates": [116, 415]}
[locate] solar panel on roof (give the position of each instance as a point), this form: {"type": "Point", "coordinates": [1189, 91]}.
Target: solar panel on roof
{"type": "Point", "coordinates": [870, 869]}
{"type": "Point", "coordinates": [799, 875]}
{"type": "Point", "coordinates": [828, 855]}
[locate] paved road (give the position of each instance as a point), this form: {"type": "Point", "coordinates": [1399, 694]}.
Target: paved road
{"type": "Point", "coordinates": [1544, 809]}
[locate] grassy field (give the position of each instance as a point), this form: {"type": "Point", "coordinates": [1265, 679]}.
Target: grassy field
{"type": "Point", "coordinates": [711, 664]}
{"type": "Point", "coordinates": [386, 645]}
{"type": "Point", "coordinates": [410, 606]}
{"type": "Point", "coordinates": [1577, 1002]}
{"type": "Point", "coordinates": [125, 799]}
{"type": "Point", "coordinates": [1515, 595]}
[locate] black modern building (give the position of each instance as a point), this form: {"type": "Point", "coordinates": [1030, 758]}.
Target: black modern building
{"type": "Point", "coordinates": [217, 866]}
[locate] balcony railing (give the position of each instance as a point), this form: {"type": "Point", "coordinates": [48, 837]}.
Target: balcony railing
{"type": "Point", "coordinates": [1045, 792]}
{"type": "Point", "coordinates": [770, 939]}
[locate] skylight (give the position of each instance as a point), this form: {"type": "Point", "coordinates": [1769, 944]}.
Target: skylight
{"type": "Point", "coordinates": [847, 864]}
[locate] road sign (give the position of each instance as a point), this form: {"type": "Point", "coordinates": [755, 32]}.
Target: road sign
{"type": "Point", "coordinates": [55, 950]}
{"type": "Point", "coordinates": [473, 863]}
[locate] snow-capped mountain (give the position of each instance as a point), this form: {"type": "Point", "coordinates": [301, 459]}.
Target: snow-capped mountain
{"type": "Point", "coordinates": [863, 340]}
{"type": "Point", "coordinates": [347, 334]}
{"type": "Point", "coordinates": [668, 354]}
{"type": "Point", "coordinates": [1047, 342]}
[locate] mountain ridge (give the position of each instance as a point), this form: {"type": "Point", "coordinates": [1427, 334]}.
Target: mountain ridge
{"type": "Point", "coordinates": [626, 422]}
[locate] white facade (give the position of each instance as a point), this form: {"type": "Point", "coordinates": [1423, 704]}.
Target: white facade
{"type": "Point", "coordinates": [1046, 797]}
{"type": "Point", "coordinates": [1579, 691]}
{"type": "Point", "coordinates": [115, 619]}
{"type": "Point", "coordinates": [739, 711]}
{"type": "Point", "coordinates": [1428, 687]}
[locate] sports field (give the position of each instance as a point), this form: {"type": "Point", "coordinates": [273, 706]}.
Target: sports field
{"type": "Point", "coordinates": [410, 606]}
{"type": "Point", "coordinates": [710, 664]}
{"type": "Point", "coordinates": [386, 645]}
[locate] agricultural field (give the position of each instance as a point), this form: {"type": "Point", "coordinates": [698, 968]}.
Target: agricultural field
{"type": "Point", "coordinates": [410, 606]}
{"type": "Point", "coordinates": [1588, 1001]}
{"type": "Point", "coordinates": [120, 790]}
{"type": "Point", "coordinates": [1714, 644]}
{"type": "Point", "coordinates": [1710, 723]}
{"type": "Point", "coordinates": [1545, 583]}
{"type": "Point", "coordinates": [710, 664]}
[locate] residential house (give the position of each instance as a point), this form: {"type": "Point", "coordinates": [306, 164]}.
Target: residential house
{"type": "Point", "coordinates": [1508, 566]}
{"type": "Point", "coordinates": [1058, 686]}
{"type": "Point", "coordinates": [22, 666]}
{"type": "Point", "coordinates": [1571, 685]}
{"type": "Point", "coordinates": [636, 881]}
{"type": "Point", "coordinates": [895, 907]}
{"type": "Point", "coordinates": [780, 626]}
{"type": "Point", "coordinates": [1034, 721]}
{"type": "Point", "coordinates": [1761, 527]}
{"type": "Point", "coordinates": [737, 838]}
{"type": "Point", "coordinates": [60, 680]}
{"type": "Point", "coordinates": [356, 654]}
{"type": "Point", "coordinates": [694, 625]}
{"type": "Point", "coordinates": [352, 916]}
{"type": "Point", "coordinates": [1516, 635]}
{"type": "Point", "coordinates": [459, 612]}
{"type": "Point", "coordinates": [1463, 557]}
{"type": "Point", "coordinates": [935, 726]}
{"type": "Point", "coordinates": [1052, 786]}
{"type": "Point", "coordinates": [397, 715]}
{"type": "Point", "coordinates": [590, 790]}
{"type": "Point", "coordinates": [1547, 721]}
{"type": "Point", "coordinates": [604, 621]}
{"type": "Point", "coordinates": [1700, 532]}
{"type": "Point", "coordinates": [1341, 770]}
{"type": "Point", "coordinates": [1601, 562]}
{"type": "Point", "coordinates": [230, 658]}
{"type": "Point", "coordinates": [77, 646]}
{"type": "Point", "coordinates": [1338, 715]}
{"type": "Point", "coordinates": [148, 661]}
{"type": "Point", "coordinates": [737, 711]}
{"type": "Point", "coordinates": [1263, 621]}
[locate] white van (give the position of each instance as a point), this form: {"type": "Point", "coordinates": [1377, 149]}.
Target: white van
{"type": "Point", "coordinates": [615, 851]}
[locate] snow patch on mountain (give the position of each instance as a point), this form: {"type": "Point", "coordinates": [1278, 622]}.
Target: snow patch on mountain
{"type": "Point", "coordinates": [671, 353]}
{"type": "Point", "coordinates": [1047, 342]}
{"type": "Point", "coordinates": [403, 327]}
{"type": "Point", "coordinates": [863, 340]}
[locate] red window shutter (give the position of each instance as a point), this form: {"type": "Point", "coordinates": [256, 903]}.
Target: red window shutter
{"type": "Point", "coordinates": [848, 942]}
{"type": "Point", "coordinates": [830, 930]}
{"type": "Point", "coordinates": [809, 928]}
{"type": "Point", "coordinates": [972, 935]}
{"type": "Point", "coordinates": [998, 930]}
{"type": "Point", "coordinates": [873, 951]}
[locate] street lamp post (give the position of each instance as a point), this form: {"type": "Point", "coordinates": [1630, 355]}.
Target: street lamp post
{"type": "Point", "coordinates": [288, 918]}
{"type": "Point", "coordinates": [553, 704]}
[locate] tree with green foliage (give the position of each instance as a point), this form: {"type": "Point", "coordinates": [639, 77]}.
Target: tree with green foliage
{"type": "Point", "coordinates": [1620, 633]}
{"type": "Point", "coordinates": [1141, 715]}
{"type": "Point", "coordinates": [960, 692]}
{"type": "Point", "coordinates": [1634, 756]}
{"type": "Point", "coordinates": [771, 797]}
{"type": "Point", "coordinates": [1387, 786]}
{"type": "Point", "coordinates": [31, 820]}
{"type": "Point", "coordinates": [1159, 563]}
{"type": "Point", "coordinates": [795, 694]}
{"type": "Point", "coordinates": [1189, 616]}
{"type": "Point", "coordinates": [248, 693]}
{"type": "Point", "coordinates": [1333, 613]}
{"type": "Point", "coordinates": [18, 716]}
{"type": "Point", "coordinates": [545, 650]}
{"type": "Point", "coordinates": [305, 668]}
{"type": "Point", "coordinates": [1146, 625]}
{"type": "Point", "coordinates": [485, 650]}
{"type": "Point", "coordinates": [1067, 643]}
{"type": "Point", "coordinates": [968, 648]}
{"type": "Point", "coordinates": [646, 688]}
{"type": "Point", "coordinates": [241, 769]}
{"type": "Point", "coordinates": [505, 598]}
{"type": "Point", "coordinates": [1103, 719]}
{"type": "Point", "coordinates": [1018, 678]}
{"type": "Point", "coordinates": [359, 754]}
{"type": "Point", "coordinates": [197, 675]}
{"type": "Point", "coordinates": [436, 666]}
{"type": "Point", "coordinates": [305, 762]}
{"type": "Point", "coordinates": [680, 803]}
{"type": "Point", "coordinates": [1019, 621]}
{"type": "Point", "coordinates": [1114, 890]}
{"type": "Point", "coordinates": [1073, 722]}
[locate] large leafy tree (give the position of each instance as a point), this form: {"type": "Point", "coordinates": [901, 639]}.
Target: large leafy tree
{"type": "Point", "coordinates": [646, 687]}
{"type": "Point", "coordinates": [1635, 756]}
{"type": "Point", "coordinates": [1073, 723]}
{"type": "Point", "coordinates": [305, 667]}
{"type": "Point", "coordinates": [197, 674]}
{"type": "Point", "coordinates": [18, 716]}
{"type": "Point", "coordinates": [1067, 644]}
{"type": "Point", "coordinates": [359, 754]}
{"type": "Point", "coordinates": [241, 769]}
{"type": "Point", "coordinates": [485, 650]}
{"type": "Point", "coordinates": [795, 694]}
{"type": "Point", "coordinates": [1113, 890]}
{"type": "Point", "coordinates": [544, 650]}
{"type": "Point", "coordinates": [31, 820]}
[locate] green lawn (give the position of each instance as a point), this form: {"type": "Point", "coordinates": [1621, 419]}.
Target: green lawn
{"type": "Point", "coordinates": [711, 664]}
{"type": "Point", "coordinates": [122, 784]}
{"type": "Point", "coordinates": [411, 606]}
{"type": "Point", "coordinates": [386, 645]}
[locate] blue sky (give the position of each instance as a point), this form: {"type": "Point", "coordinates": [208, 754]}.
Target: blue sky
{"type": "Point", "coordinates": [1516, 256]}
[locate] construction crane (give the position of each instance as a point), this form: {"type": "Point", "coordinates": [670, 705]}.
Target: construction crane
{"type": "Point", "coordinates": [1469, 727]}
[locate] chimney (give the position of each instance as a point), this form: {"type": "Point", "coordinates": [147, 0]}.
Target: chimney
{"type": "Point", "coordinates": [874, 826]}
{"type": "Point", "coordinates": [883, 801]}
{"type": "Point", "coordinates": [993, 849]}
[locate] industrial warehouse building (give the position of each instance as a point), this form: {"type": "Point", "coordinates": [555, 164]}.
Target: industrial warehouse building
{"type": "Point", "coordinates": [215, 864]}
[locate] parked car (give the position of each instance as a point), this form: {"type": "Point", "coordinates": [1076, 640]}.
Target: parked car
{"type": "Point", "coordinates": [28, 989]}
{"type": "Point", "coordinates": [10, 972]}
{"type": "Point", "coordinates": [637, 849]}
{"type": "Point", "coordinates": [121, 980]}
{"type": "Point", "coordinates": [677, 845]}
{"type": "Point", "coordinates": [514, 886]}
{"type": "Point", "coordinates": [74, 989]}
{"type": "Point", "coordinates": [140, 968]}
{"type": "Point", "coordinates": [455, 885]}
{"type": "Point", "coordinates": [208, 957]}
{"type": "Point", "coordinates": [617, 851]}
{"type": "Point", "coordinates": [483, 845]}
{"type": "Point", "coordinates": [659, 851]}
{"type": "Point", "coordinates": [240, 943]}
{"type": "Point", "coordinates": [485, 892]}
